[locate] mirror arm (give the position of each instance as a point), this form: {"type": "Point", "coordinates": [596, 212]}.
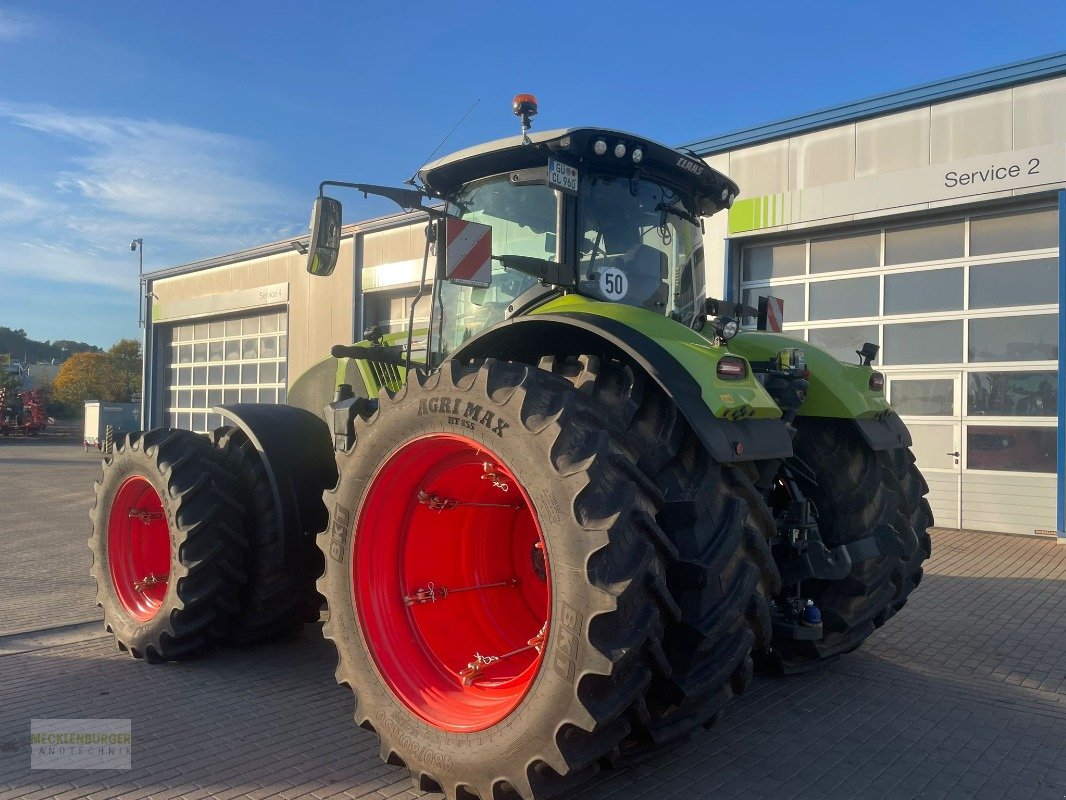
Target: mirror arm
{"type": "Point", "coordinates": [407, 199]}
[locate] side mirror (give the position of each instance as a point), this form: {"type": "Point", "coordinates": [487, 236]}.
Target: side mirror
{"type": "Point", "coordinates": [325, 236]}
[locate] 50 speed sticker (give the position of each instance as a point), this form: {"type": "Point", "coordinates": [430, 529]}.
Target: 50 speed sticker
{"type": "Point", "coordinates": [613, 283]}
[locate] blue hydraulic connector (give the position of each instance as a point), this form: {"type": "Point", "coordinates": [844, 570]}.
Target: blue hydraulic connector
{"type": "Point", "coordinates": [811, 615]}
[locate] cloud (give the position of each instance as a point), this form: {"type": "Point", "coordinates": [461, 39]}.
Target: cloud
{"type": "Point", "coordinates": [16, 26]}
{"type": "Point", "coordinates": [189, 192]}
{"type": "Point", "coordinates": [46, 264]}
{"type": "Point", "coordinates": [17, 205]}
{"type": "Point", "coordinates": [155, 170]}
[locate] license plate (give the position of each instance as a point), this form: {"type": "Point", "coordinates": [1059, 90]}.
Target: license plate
{"type": "Point", "coordinates": [562, 176]}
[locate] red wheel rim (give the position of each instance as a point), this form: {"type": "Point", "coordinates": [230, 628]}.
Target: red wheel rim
{"type": "Point", "coordinates": [404, 542]}
{"type": "Point", "coordinates": [138, 548]}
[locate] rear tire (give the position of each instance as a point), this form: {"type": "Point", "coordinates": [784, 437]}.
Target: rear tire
{"type": "Point", "coordinates": [575, 483]}
{"type": "Point", "coordinates": [278, 598]}
{"type": "Point", "coordinates": [166, 544]}
{"type": "Point", "coordinates": [854, 494]}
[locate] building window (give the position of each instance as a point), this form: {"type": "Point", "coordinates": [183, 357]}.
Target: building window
{"type": "Point", "coordinates": [924, 397]}
{"type": "Point", "coordinates": [792, 294]}
{"type": "Point", "coordinates": [924, 292]}
{"type": "Point", "coordinates": [846, 252]}
{"type": "Point", "coordinates": [1022, 230]}
{"type": "Point", "coordinates": [774, 261]}
{"type": "Point", "coordinates": [1014, 283]}
{"type": "Point", "coordinates": [923, 343]}
{"type": "Point", "coordinates": [1010, 448]}
{"type": "Point", "coordinates": [853, 297]}
{"type": "Point", "coordinates": [842, 342]}
{"type": "Point", "coordinates": [1012, 394]}
{"type": "Point", "coordinates": [925, 243]}
{"type": "Point", "coordinates": [1015, 338]}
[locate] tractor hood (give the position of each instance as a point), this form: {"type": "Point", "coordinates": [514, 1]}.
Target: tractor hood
{"type": "Point", "coordinates": [711, 189]}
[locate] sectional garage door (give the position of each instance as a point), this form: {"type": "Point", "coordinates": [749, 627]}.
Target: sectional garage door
{"type": "Point", "coordinates": [212, 362]}
{"type": "Point", "coordinates": [965, 310]}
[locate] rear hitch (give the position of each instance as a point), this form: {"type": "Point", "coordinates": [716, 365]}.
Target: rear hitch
{"type": "Point", "coordinates": [885, 541]}
{"type": "Point", "coordinates": [808, 557]}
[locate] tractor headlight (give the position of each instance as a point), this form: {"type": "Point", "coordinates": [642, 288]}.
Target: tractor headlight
{"type": "Point", "coordinates": [638, 155]}
{"type": "Point", "coordinates": [726, 328]}
{"type": "Point", "coordinates": [599, 147]}
{"type": "Point", "coordinates": [619, 150]}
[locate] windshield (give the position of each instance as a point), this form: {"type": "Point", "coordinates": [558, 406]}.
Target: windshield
{"type": "Point", "coordinates": [639, 245]}
{"type": "Point", "coordinates": [523, 223]}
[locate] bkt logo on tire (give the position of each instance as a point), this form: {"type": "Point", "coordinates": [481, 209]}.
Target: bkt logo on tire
{"type": "Point", "coordinates": [566, 642]}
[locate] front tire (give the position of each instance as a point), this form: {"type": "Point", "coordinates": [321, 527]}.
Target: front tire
{"type": "Point", "coordinates": [856, 492]}
{"type": "Point", "coordinates": [166, 544]}
{"type": "Point", "coordinates": [568, 556]}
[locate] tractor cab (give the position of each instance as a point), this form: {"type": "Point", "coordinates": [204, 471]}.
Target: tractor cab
{"type": "Point", "coordinates": [619, 214]}
{"type": "Point", "coordinates": [604, 214]}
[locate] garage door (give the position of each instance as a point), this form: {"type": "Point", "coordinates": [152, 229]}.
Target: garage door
{"type": "Point", "coordinates": [213, 362]}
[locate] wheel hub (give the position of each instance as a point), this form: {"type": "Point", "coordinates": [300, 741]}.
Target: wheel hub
{"type": "Point", "coordinates": [138, 548]}
{"type": "Point", "coordinates": [451, 584]}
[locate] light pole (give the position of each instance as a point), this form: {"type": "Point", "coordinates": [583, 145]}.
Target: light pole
{"type": "Point", "coordinates": [138, 245]}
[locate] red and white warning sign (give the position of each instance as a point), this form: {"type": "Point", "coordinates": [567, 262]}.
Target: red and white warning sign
{"type": "Point", "coordinates": [468, 252]}
{"type": "Point", "coordinates": [771, 314]}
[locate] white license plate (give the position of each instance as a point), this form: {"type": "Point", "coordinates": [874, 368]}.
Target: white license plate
{"type": "Point", "coordinates": [562, 176]}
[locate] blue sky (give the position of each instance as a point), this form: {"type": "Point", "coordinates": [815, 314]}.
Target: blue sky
{"type": "Point", "coordinates": [205, 127]}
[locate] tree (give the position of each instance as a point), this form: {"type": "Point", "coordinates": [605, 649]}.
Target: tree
{"type": "Point", "coordinates": [125, 355]}
{"type": "Point", "coordinates": [20, 346]}
{"type": "Point", "coordinates": [114, 376]}
{"type": "Point", "coordinates": [87, 376]}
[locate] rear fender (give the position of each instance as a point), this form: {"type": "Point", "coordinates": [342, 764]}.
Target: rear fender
{"type": "Point", "coordinates": [297, 453]}
{"type": "Point", "coordinates": [563, 334]}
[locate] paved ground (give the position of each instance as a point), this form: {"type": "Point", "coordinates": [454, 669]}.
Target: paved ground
{"type": "Point", "coordinates": [962, 695]}
{"type": "Point", "coordinates": [46, 488]}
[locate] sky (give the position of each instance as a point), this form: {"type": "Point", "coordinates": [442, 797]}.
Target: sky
{"type": "Point", "coordinates": [204, 128]}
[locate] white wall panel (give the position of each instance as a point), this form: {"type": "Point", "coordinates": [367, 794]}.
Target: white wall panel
{"type": "Point", "coordinates": [1008, 503]}
{"type": "Point", "coordinates": [816, 159]}
{"type": "Point", "coordinates": [898, 141]}
{"type": "Point", "coordinates": [1040, 113]}
{"type": "Point", "coordinates": [943, 498]}
{"type": "Point", "coordinates": [760, 170]}
{"type": "Point", "coordinates": [973, 126]}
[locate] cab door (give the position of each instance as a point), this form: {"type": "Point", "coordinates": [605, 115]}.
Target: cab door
{"type": "Point", "coordinates": [931, 406]}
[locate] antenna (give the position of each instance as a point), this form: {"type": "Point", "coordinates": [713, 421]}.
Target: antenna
{"type": "Point", "coordinates": [411, 181]}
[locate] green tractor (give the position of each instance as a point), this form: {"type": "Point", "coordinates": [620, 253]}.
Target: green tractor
{"type": "Point", "coordinates": [559, 526]}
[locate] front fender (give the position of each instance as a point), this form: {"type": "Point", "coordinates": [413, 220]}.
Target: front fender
{"type": "Point", "coordinates": [297, 453]}
{"type": "Point", "coordinates": [837, 390]}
